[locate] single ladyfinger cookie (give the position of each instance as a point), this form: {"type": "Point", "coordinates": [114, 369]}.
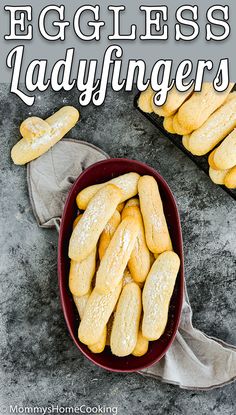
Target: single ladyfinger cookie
{"type": "Point", "coordinates": [185, 141]}
{"type": "Point", "coordinates": [60, 123]}
{"type": "Point", "coordinates": [174, 100]}
{"type": "Point", "coordinates": [200, 106]}
{"type": "Point", "coordinates": [157, 293]}
{"type": "Point", "coordinates": [145, 100]}
{"type": "Point", "coordinates": [225, 155]}
{"type": "Point", "coordinates": [156, 230]}
{"type": "Point", "coordinates": [107, 233]}
{"type": "Point", "coordinates": [96, 315]}
{"type": "Point", "coordinates": [100, 209]}
{"type": "Point", "coordinates": [141, 347]}
{"type": "Point", "coordinates": [230, 178]}
{"type": "Point", "coordinates": [215, 129]}
{"type": "Point", "coordinates": [81, 303]}
{"type": "Point", "coordinates": [81, 274]}
{"type": "Point", "coordinates": [125, 327]}
{"type": "Point", "coordinates": [179, 129]}
{"type": "Point", "coordinates": [127, 183]}
{"type": "Point", "coordinates": [140, 262]}
{"type": "Point", "coordinates": [117, 255]}
{"type": "Point", "coordinates": [218, 176]}
{"type": "Point", "coordinates": [168, 124]}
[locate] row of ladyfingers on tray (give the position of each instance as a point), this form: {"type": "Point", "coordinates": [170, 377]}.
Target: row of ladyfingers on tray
{"type": "Point", "coordinates": [207, 121]}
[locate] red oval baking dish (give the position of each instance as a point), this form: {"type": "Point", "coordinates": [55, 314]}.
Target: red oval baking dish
{"type": "Point", "coordinates": [99, 173]}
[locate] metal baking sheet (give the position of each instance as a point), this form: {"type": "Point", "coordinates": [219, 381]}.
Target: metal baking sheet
{"type": "Point", "coordinates": [200, 161]}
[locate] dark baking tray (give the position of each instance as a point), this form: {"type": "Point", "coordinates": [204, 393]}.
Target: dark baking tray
{"type": "Point", "coordinates": [200, 161]}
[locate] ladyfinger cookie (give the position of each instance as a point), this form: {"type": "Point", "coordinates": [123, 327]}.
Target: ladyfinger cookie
{"type": "Point", "coordinates": [156, 230]}
{"type": "Point", "coordinates": [185, 141]}
{"type": "Point", "coordinates": [81, 303]}
{"type": "Point", "coordinates": [145, 100]}
{"type": "Point", "coordinates": [127, 183]}
{"type": "Point", "coordinates": [157, 293]}
{"type": "Point", "coordinates": [211, 160]}
{"type": "Point", "coordinates": [139, 263]}
{"type": "Point", "coordinates": [174, 100]}
{"type": "Point", "coordinates": [125, 327]}
{"type": "Point", "coordinates": [194, 112]}
{"type": "Point", "coordinates": [108, 232]}
{"type": "Point", "coordinates": [215, 129]}
{"type": "Point", "coordinates": [34, 127]}
{"type": "Point", "coordinates": [179, 129]}
{"type": "Point", "coordinates": [230, 178]}
{"type": "Point", "coordinates": [96, 315]}
{"type": "Point", "coordinates": [168, 124]}
{"type": "Point", "coordinates": [34, 143]}
{"type": "Point", "coordinates": [225, 155]}
{"type": "Point", "coordinates": [117, 255]}
{"type": "Point", "coordinates": [218, 176]}
{"type": "Point", "coordinates": [141, 346]}
{"type": "Point", "coordinates": [81, 274]}
{"type": "Point", "coordinates": [100, 209]}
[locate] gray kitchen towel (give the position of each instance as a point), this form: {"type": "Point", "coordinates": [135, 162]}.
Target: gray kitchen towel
{"type": "Point", "coordinates": [194, 360]}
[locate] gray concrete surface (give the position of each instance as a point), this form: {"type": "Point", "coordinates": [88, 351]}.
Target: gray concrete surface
{"type": "Point", "coordinates": [39, 363]}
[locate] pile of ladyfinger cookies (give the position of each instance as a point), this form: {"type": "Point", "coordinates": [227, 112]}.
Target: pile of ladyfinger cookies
{"type": "Point", "coordinates": [207, 122]}
{"type": "Point", "coordinates": [123, 268]}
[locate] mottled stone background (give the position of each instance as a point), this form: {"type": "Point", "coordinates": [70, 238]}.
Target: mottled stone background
{"type": "Point", "coordinates": [39, 363]}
